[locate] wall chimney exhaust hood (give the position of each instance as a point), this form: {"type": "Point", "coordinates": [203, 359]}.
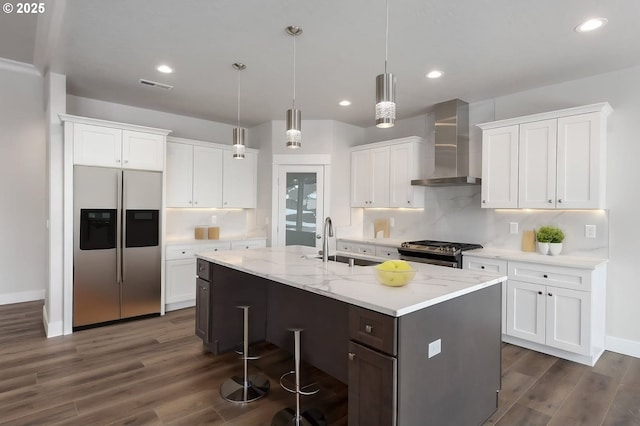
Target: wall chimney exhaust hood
{"type": "Point", "coordinates": [451, 146]}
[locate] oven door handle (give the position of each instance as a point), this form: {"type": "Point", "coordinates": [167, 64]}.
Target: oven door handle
{"type": "Point", "coordinates": [450, 264]}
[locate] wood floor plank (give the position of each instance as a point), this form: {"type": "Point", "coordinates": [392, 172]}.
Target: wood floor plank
{"type": "Point", "coordinates": [155, 371]}
{"type": "Point", "coordinates": [549, 393]}
{"type": "Point", "coordinates": [589, 401]}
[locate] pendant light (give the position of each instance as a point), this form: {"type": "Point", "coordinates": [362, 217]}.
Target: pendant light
{"type": "Point", "coordinates": [238, 132]}
{"type": "Point", "coordinates": [294, 116]}
{"type": "Point", "coordinates": [386, 89]}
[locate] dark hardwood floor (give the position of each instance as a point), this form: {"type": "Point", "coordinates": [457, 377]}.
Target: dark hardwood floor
{"type": "Point", "coordinates": [154, 371]}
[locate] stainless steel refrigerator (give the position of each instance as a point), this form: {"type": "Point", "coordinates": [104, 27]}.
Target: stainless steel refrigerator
{"type": "Point", "coordinates": [116, 258]}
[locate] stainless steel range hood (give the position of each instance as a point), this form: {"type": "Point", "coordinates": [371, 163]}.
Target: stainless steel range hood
{"type": "Point", "coordinates": [451, 146]}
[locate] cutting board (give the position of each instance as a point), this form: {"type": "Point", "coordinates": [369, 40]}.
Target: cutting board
{"type": "Point", "coordinates": [381, 228]}
{"type": "Point", "coordinates": [529, 240]}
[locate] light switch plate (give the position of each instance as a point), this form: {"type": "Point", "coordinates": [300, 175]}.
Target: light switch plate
{"type": "Point", "coordinates": [214, 219]}
{"type": "Point", "coordinates": [435, 348]}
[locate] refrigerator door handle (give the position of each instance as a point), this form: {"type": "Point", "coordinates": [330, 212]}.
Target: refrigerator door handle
{"type": "Point", "coordinates": [119, 231]}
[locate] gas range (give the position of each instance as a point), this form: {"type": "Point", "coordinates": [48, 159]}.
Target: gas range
{"type": "Point", "coordinates": [444, 253]}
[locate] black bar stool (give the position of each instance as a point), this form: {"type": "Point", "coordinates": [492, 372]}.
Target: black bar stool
{"type": "Point", "coordinates": [249, 387]}
{"type": "Point", "coordinates": [288, 416]}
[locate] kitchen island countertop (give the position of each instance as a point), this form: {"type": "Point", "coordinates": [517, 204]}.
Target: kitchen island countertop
{"type": "Point", "coordinates": [296, 267]}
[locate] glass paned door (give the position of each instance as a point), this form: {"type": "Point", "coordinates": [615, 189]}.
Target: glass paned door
{"type": "Point", "coordinates": [301, 206]}
{"type": "Point", "coordinates": [301, 209]}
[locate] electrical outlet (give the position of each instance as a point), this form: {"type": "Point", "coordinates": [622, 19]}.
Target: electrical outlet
{"type": "Point", "coordinates": [590, 231]}
{"type": "Point", "coordinates": [214, 219]}
{"type": "Point", "coordinates": [513, 227]}
{"type": "Point", "coordinates": [435, 348]}
{"type": "Point", "coordinates": [392, 222]}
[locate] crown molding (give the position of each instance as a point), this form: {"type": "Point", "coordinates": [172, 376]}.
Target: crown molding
{"type": "Point", "coordinates": [22, 67]}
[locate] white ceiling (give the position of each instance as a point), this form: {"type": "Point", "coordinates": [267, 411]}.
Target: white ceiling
{"type": "Point", "coordinates": [486, 48]}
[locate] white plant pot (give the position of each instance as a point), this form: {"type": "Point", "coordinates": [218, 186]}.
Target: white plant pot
{"type": "Point", "coordinates": [555, 248]}
{"type": "Point", "coordinates": [543, 248]}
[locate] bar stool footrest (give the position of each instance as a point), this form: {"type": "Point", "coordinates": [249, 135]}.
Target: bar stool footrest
{"type": "Point", "coordinates": [252, 355]}
{"type": "Point", "coordinates": [306, 390]}
{"type": "Point", "coordinates": [287, 417]}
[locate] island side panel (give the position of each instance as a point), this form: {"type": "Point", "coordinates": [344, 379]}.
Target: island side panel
{"type": "Point", "coordinates": [231, 288]}
{"type": "Point", "coordinates": [459, 385]}
{"type": "Point", "coordinates": [324, 343]}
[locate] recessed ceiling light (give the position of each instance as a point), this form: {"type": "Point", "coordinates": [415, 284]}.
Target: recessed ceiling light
{"type": "Point", "coordinates": [435, 74]}
{"type": "Point", "coordinates": [165, 69]}
{"type": "Point", "coordinates": [344, 103]}
{"type": "Point", "coordinates": [591, 24]}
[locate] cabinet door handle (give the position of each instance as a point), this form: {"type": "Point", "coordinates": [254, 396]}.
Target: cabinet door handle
{"type": "Point", "coordinates": [539, 292]}
{"type": "Point", "coordinates": [545, 276]}
{"type": "Point", "coordinates": [550, 201]}
{"type": "Point", "coordinates": [352, 356]}
{"type": "Point", "coordinates": [183, 252]}
{"type": "Point", "coordinates": [482, 267]}
{"type": "Point", "coordinates": [560, 200]}
{"type": "Point", "coordinates": [484, 201]}
{"type": "Point", "coordinates": [550, 294]}
{"type": "Point", "coordinates": [195, 202]}
{"type": "Point", "coordinates": [368, 328]}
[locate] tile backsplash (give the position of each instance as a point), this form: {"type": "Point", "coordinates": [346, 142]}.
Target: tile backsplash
{"type": "Point", "coordinates": [232, 222]}
{"type": "Point", "coordinates": [454, 214]}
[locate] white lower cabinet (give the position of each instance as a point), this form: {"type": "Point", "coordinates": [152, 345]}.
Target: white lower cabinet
{"type": "Point", "coordinates": [180, 271]}
{"type": "Point", "coordinates": [558, 310]}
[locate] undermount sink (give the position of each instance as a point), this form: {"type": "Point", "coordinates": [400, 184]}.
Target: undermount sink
{"type": "Point", "coordinates": [345, 259]}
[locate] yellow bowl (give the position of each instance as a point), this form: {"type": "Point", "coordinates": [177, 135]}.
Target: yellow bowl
{"type": "Point", "coordinates": [392, 278]}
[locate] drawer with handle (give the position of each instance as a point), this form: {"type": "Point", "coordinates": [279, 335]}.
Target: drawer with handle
{"type": "Point", "coordinates": [483, 264]}
{"type": "Point", "coordinates": [175, 253]}
{"type": "Point", "coordinates": [559, 276]}
{"type": "Point", "coordinates": [204, 270]}
{"type": "Point", "coordinates": [373, 329]}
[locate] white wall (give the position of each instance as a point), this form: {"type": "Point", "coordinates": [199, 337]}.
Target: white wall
{"type": "Point", "coordinates": [622, 90]}
{"type": "Point", "coordinates": [180, 125]}
{"type": "Point", "coordinates": [23, 188]}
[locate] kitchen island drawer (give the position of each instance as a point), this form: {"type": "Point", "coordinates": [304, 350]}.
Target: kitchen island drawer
{"type": "Point", "coordinates": [204, 270]}
{"type": "Point", "coordinates": [373, 329]}
{"type": "Point", "coordinates": [559, 276]}
{"type": "Point", "coordinates": [248, 244]}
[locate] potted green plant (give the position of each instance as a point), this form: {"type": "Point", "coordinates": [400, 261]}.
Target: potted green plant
{"type": "Point", "coordinates": [550, 240]}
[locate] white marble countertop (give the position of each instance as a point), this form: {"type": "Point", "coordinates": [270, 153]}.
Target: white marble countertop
{"type": "Point", "coordinates": [356, 285]}
{"type": "Point", "coordinates": [522, 256]}
{"type": "Point", "coordinates": [387, 242]}
{"type": "Point", "coordinates": [174, 241]}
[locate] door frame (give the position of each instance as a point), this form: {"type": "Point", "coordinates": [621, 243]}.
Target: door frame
{"type": "Point", "coordinates": [280, 162]}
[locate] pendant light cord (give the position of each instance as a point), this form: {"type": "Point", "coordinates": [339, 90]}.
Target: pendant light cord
{"type": "Point", "coordinates": [294, 71]}
{"type": "Point", "coordinates": [386, 39]}
{"type": "Point", "coordinates": [238, 99]}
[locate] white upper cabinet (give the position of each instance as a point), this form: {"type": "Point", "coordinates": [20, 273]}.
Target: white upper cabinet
{"type": "Point", "coordinates": [560, 159]}
{"type": "Point", "coordinates": [537, 165]}
{"type": "Point", "coordinates": [370, 177]}
{"type": "Point", "coordinates": [240, 180]}
{"type": "Point", "coordinates": [205, 175]}
{"type": "Point", "coordinates": [116, 144]}
{"type": "Point", "coordinates": [194, 176]}
{"type": "Point", "coordinates": [97, 146]}
{"type": "Point", "coordinates": [500, 167]}
{"type": "Point", "coordinates": [405, 164]}
{"type": "Point", "coordinates": [142, 151]}
{"type": "Point", "coordinates": [381, 174]}
{"type": "Point", "coordinates": [581, 162]}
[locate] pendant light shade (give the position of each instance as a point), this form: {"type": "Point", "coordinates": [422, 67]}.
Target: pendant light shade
{"type": "Point", "coordinates": [294, 134]}
{"type": "Point", "coordinates": [386, 88]}
{"type": "Point", "coordinates": [238, 132]}
{"type": "Point", "coordinates": [294, 116]}
{"type": "Point", "coordinates": [385, 100]}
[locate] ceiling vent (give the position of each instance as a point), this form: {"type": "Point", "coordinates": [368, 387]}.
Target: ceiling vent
{"type": "Point", "coordinates": [155, 84]}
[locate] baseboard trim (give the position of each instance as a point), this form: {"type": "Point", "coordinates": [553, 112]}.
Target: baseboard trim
{"type": "Point", "coordinates": [179, 305]}
{"type": "Point", "coordinates": [623, 346]}
{"type": "Point", "coordinates": [23, 296]}
{"type": "Point", "coordinates": [52, 329]}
